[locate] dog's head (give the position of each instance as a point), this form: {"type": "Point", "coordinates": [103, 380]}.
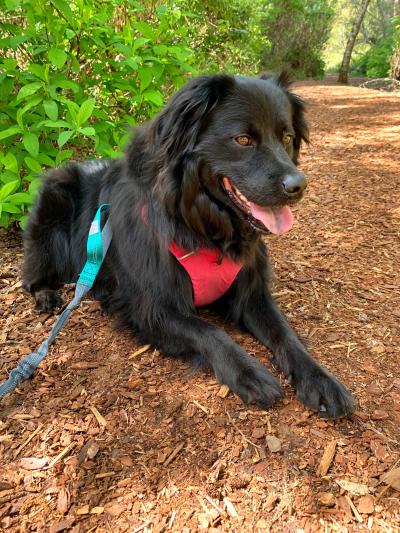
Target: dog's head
{"type": "Point", "coordinates": [227, 152]}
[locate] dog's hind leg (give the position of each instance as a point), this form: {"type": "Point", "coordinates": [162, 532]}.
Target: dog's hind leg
{"type": "Point", "coordinates": [47, 240]}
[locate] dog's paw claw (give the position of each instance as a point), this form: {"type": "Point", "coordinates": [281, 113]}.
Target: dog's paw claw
{"type": "Point", "coordinates": [323, 393]}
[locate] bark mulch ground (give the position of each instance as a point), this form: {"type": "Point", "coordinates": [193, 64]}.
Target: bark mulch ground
{"type": "Point", "coordinates": [111, 436]}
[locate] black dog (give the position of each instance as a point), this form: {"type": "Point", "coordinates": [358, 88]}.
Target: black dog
{"type": "Point", "coordinates": [203, 180]}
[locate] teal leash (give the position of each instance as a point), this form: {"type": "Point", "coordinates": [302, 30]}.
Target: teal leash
{"type": "Point", "coordinates": [97, 246]}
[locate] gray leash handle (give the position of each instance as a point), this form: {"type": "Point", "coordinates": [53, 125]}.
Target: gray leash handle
{"type": "Point", "coordinates": [98, 244]}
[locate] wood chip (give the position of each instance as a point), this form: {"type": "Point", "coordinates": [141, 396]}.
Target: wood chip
{"type": "Point", "coordinates": [32, 463]}
{"type": "Point", "coordinates": [28, 440]}
{"type": "Point", "coordinates": [171, 457]}
{"type": "Point", "coordinates": [359, 489]}
{"type": "Point", "coordinates": [141, 350]}
{"type": "Point", "coordinates": [62, 525]}
{"type": "Point", "coordinates": [230, 508]}
{"type": "Point", "coordinates": [274, 444]}
{"type": "Point", "coordinates": [100, 419]}
{"type": "Point", "coordinates": [353, 508]}
{"type": "Point", "coordinates": [223, 391]}
{"type": "Point", "coordinates": [392, 478]}
{"type": "Point", "coordinates": [97, 510]}
{"type": "Point", "coordinates": [63, 501]}
{"type": "Point", "coordinates": [83, 510]}
{"type": "Point", "coordinates": [22, 416]}
{"type": "Point", "coordinates": [204, 409]}
{"type": "Point", "coordinates": [270, 502]}
{"type": "Point", "coordinates": [326, 459]}
{"type": "Point", "coordinates": [84, 365]}
{"type": "Point", "coordinates": [366, 504]}
{"type": "Point", "coordinates": [326, 498]}
{"type": "Point", "coordinates": [61, 455]}
{"type": "Point", "coordinates": [104, 474]}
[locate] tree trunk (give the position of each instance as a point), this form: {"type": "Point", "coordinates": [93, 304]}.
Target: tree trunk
{"type": "Point", "coordinates": [344, 68]}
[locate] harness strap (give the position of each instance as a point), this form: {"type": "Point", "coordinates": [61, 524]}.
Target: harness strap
{"type": "Point", "coordinates": [97, 245]}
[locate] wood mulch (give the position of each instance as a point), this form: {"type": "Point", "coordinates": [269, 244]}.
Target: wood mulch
{"type": "Point", "coordinates": [109, 436]}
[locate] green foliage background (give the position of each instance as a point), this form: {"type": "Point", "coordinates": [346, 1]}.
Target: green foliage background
{"type": "Point", "coordinates": [74, 75]}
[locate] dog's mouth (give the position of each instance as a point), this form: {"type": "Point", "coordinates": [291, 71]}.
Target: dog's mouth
{"type": "Point", "coordinates": [271, 219]}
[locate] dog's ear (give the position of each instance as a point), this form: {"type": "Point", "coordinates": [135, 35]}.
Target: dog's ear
{"type": "Point", "coordinates": [300, 125]}
{"type": "Point", "coordinates": [174, 134]}
{"type": "Point", "coordinates": [284, 79]}
{"type": "Point", "coordinates": [176, 129]}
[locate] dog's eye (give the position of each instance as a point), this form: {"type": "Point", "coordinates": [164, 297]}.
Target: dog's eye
{"type": "Point", "coordinates": [244, 140]}
{"type": "Point", "coordinates": [287, 138]}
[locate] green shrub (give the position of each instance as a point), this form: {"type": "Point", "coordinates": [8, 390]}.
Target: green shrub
{"type": "Point", "coordinates": [375, 62]}
{"type": "Point", "coordinates": [298, 31]}
{"type": "Point", "coordinates": [378, 58]}
{"type": "Point", "coordinates": [73, 76]}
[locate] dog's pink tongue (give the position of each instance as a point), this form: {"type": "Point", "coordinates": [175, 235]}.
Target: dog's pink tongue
{"type": "Point", "coordinates": [276, 219]}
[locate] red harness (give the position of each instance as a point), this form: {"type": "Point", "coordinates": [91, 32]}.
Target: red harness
{"type": "Point", "coordinates": [211, 277]}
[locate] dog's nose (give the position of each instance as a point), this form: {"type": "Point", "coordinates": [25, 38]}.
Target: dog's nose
{"type": "Point", "coordinates": [294, 184]}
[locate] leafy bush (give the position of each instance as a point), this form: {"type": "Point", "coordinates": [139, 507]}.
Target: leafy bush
{"type": "Point", "coordinates": [226, 34]}
{"type": "Point", "coordinates": [298, 31]}
{"type": "Point", "coordinates": [72, 77]}
{"type": "Point", "coordinates": [375, 62]}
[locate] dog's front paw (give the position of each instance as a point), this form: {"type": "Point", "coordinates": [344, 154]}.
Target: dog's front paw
{"type": "Point", "coordinates": [253, 383]}
{"type": "Point", "coordinates": [47, 300]}
{"type": "Point", "coordinates": [322, 392]}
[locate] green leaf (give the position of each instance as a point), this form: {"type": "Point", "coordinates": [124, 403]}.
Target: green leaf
{"type": "Point", "coordinates": [87, 131]}
{"type": "Point", "coordinates": [65, 10]}
{"type": "Point", "coordinates": [63, 155]}
{"type": "Point", "coordinates": [64, 137]}
{"type": "Point", "coordinates": [10, 208]}
{"type": "Point", "coordinates": [54, 124]}
{"type": "Point", "coordinates": [31, 103]}
{"type": "Point", "coordinates": [73, 109]}
{"type": "Point", "coordinates": [44, 159]}
{"type": "Point", "coordinates": [160, 50]}
{"type": "Point", "coordinates": [28, 90]}
{"type": "Point", "coordinates": [23, 221]}
{"type": "Point", "coordinates": [38, 70]}
{"type": "Point", "coordinates": [10, 162]}
{"type": "Point", "coordinates": [34, 186]}
{"type": "Point", "coordinates": [8, 189]}
{"type": "Point", "coordinates": [67, 84]}
{"type": "Point", "coordinates": [85, 111]}
{"type": "Point", "coordinates": [145, 76]}
{"type": "Point", "coordinates": [146, 30]}
{"type": "Point", "coordinates": [21, 198]}
{"type": "Point", "coordinates": [57, 57]}
{"type": "Point", "coordinates": [31, 143]}
{"type": "Point", "coordinates": [51, 109]}
{"type": "Point", "coordinates": [139, 43]}
{"type": "Point", "coordinates": [32, 164]}
{"type": "Point", "coordinates": [155, 97]}
{"type": "Point", "coordinates": [12, 4]}
{"type": "Point", "coordinates": [9, 132]}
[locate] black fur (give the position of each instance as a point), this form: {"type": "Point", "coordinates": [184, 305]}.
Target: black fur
{"type": "Point", "coordinates": [174, 166]}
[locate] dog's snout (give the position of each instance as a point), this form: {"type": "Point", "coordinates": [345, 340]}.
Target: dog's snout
{"type": "Point", "coordinates": [294, 184]}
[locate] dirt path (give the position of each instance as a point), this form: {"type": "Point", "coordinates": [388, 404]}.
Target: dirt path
{"type": "Point", "coordinates": [170, 454]}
